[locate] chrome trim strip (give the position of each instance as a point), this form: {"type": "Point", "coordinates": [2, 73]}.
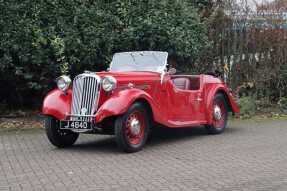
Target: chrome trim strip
{"type": "Point", "coordinates": [164, 71]}
{"type": "Point", "coordinates": [130, 86]}
{"type": "Point", "coordinates": [73, 115]}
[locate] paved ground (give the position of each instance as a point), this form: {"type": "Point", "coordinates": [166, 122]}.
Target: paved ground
{"type": "Point", "coordinates": [248, 156]}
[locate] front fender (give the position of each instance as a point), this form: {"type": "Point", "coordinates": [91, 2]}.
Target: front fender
{"type": "Point", "coordinates": [212, 91]}
{"type": "Point", "coordinates": [57, 104]}
{"type": "Point", "coordinates": [120, 101]}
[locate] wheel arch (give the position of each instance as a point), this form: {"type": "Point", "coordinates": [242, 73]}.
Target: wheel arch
{"type": "Point", "coordinates": [57, 104]}
{"type": "Point", "coordinates": [119, 103]}
{"type": "Point", "coordinates": [231, 104]}
{"type": "Point", "coordinates": [147, 106]}
{"type": "Point", "coordinates": [220, 91]}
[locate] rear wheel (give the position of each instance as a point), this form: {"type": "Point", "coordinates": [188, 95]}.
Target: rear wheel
{"type": "Point", "coordinates": [59, 138]}
{"type": "Point", "coordinates": [219, 115]}
{"type": "Point", "coordinates": [132, 128]}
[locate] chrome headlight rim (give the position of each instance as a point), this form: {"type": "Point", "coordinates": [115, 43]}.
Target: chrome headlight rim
{"type": "Point", "coordinates": [109, 83]}
{"type": "Point", "coordinates": [63, 82]}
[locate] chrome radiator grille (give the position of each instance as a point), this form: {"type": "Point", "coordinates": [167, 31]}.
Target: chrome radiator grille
{"type": "Point", "coordinates": [85, 98]}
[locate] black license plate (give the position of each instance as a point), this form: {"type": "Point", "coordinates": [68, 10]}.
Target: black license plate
{"type": "Point", "coordinates": [76, 125]}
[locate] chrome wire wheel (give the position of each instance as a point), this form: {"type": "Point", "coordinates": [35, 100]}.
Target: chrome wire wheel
{"type": "Point", "coordinates": [219, 115]}
{"type": "Point", "coordinates": [135, 127]}
{"type": "Point", "coordinates": [132, 128]}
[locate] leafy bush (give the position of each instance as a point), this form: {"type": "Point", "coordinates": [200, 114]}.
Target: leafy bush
{"type": "Point", "coordinates": [39, 39]}
{"type": "Point", "coordinates": [247, 106]}
{"type": "Point", "coordinates": [283, 104]}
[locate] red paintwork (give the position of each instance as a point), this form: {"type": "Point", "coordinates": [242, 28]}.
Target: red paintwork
{"type": "Point", "coordinates": [170, 106]}
{"type": "Point", "coordinates": [119, 102]}
{"type": "Point", "coordinates": [57, 104]}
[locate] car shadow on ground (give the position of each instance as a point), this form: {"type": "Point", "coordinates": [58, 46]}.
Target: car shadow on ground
{"type": "Point", "coordinates": [179, 135]}
{"type": "Point", "coordinates": [106, 144]}
{"type": "Point", "coordinates": [159, 138]}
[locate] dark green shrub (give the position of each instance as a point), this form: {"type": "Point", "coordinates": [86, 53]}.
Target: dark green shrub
{"type": "Point", "coordinates": [283, 104]}
{"type": "Point", "coordinates": [39, 39]}
{"type": "Point", "coordinates": [247, 106]}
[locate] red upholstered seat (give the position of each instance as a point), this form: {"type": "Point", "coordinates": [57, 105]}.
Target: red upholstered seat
{"type": "Point", "coordinates": [186, 82]}
{"type": "Point", "coordinates": [182, 83]}
{"type": "Point", "coordinates": [194, 83]}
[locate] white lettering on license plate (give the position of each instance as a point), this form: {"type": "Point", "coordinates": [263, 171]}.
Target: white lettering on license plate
{"type": "Point", "coordinates": [76, 125]}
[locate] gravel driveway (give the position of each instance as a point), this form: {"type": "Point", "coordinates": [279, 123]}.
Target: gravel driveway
{"type": "Point", "coordinates": [248, 156]}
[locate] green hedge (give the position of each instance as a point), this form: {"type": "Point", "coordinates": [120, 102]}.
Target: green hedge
{"type": "Point", "coordinates": [40, 39]}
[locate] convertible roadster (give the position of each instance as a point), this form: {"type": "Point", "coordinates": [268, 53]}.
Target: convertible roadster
{"type": "Point", "coordinates": [139, 91]}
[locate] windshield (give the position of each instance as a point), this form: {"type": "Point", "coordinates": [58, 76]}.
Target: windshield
{"type": "Point", "coordinates": [145, 61]}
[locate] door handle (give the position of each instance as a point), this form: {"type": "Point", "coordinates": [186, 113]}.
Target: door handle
{"type": "Point", "coordinates": [199, 98]}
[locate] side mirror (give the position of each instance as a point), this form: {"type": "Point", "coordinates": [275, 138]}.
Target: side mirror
{"type": "Point", "coordinates": [171, 71]}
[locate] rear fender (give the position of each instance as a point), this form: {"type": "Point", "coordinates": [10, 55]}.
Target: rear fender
{"type": "Point", "coordinates": [57, 104]}
{"type": "Point", "coordinates": [120, 101]}
{"type": "Point", "coordinates": [233, 106]}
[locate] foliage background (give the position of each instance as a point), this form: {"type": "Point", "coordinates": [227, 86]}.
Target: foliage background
{"type": "Point", "coordinates": [42, 39]}
{"type": "Point", "coordinates": [249, 45]}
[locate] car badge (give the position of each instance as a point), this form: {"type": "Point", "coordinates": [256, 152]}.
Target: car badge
{"type": "Point", "coordinates": [131, 85]}
{"type": "Point", "coordinates": [84, 111]}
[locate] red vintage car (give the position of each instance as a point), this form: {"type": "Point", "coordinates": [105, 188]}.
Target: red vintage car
{"type": "Point", "coordinates": [138, 91]}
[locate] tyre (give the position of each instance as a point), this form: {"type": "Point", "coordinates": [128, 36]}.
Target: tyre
{"type": "Point", "coordinates": [219, 116]}
{"type": "Point", "coordinates": [59, 138]}
{"type": "Point", "coordinates": [132, 128]}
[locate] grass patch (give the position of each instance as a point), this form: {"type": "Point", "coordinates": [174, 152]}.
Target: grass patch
{"type": "Point", "coordinates": [4, 131]}
{"type": "Point", "coordinates": [261, 116]}
{"type": "Point", "coordinates": [20, 124]}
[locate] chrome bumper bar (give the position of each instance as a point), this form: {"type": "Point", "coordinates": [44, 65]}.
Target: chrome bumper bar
{"type": "Point", "coordinates": [75, 117]}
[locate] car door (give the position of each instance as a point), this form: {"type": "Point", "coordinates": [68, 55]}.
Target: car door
{"type": "Point", "coordinates": [196, 102]}
{"type": "Point", "coordinates": [177, 103]}
{"type": "Point", "coordinates": [185, 105]}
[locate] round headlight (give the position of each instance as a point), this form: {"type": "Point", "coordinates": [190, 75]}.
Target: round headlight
{"type": "Point", "coordinates": [109, 83]}
{"type": "Point", "coordinates": [63, 82]}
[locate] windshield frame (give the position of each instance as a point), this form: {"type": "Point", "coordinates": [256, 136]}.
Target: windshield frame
{"type": "Point", "coordinates": [164, 66]}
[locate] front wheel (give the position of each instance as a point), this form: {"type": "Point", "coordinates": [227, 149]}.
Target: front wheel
{"type": "Point", "coordinates": [132, 128]}
{"type": "Point", "coordinates": [59, 138]}
{"type": "Point", "coordinates": [219, 115]}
